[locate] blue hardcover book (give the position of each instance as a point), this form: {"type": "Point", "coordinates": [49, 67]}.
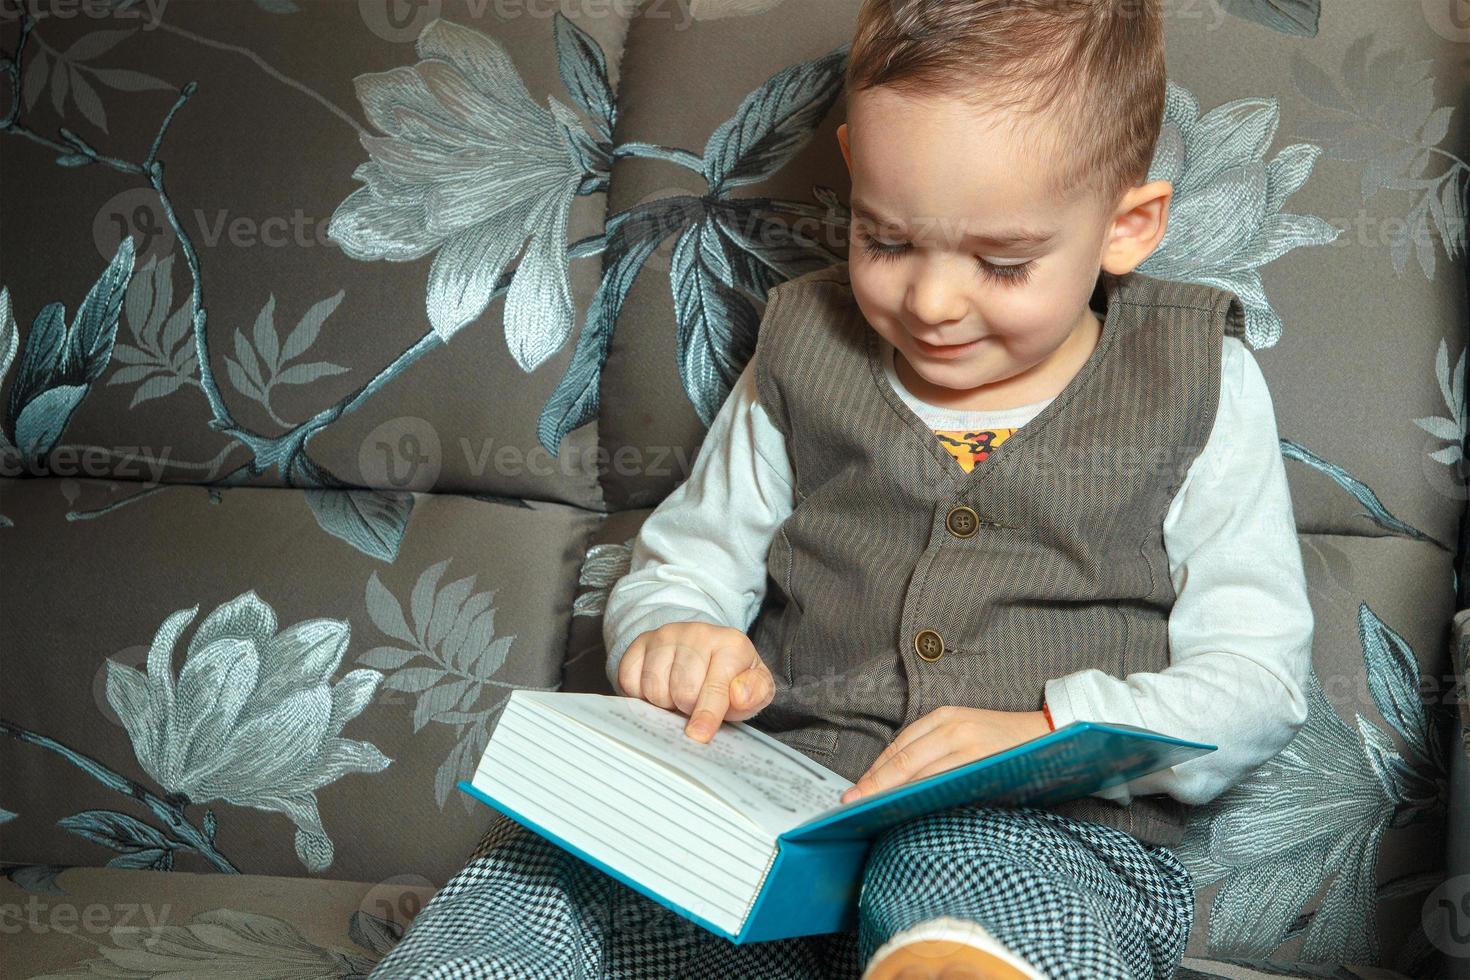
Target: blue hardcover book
{"type": "Point", "coordinates": [744, 834]}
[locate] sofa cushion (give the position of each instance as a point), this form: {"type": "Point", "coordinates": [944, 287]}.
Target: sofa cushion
{"type": "Point", "coordinates": [350, 286]}
{"type": "Point", "coordinates": [1460, 667]}
{"type": "Point", "coordinates": [325, 702]}
{"type": "Point", "coordinates": [609, 553]}
{"type": "Point", "coordinates": [1447, 909]}
{"type": "Point", "coordinates": [148, 923]}
{"type": "Point", "coordinates": [1331, 849]}
{"type": "Point", "coordinates": [110, 922]}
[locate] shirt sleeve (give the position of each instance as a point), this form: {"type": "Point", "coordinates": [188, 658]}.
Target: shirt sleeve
{"type": "Point", "coordinates": [701, 555]}
{"type": "Point", "coordinates": [1240, 630]}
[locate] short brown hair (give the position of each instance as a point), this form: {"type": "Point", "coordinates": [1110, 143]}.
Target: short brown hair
{"type": "Point", "coordinates": [1098, 64]}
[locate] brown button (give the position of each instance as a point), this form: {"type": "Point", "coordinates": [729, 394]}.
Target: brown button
{"type": "Point", "coordinates": [962, 521]}
{"type": "Point", "coordinates": [929, 645]}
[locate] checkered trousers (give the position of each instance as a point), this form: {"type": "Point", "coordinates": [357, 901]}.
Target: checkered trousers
{"type": "Point", "coordinates": [1076, 899]}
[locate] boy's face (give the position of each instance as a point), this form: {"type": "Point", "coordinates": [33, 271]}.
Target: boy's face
{"type": "Point", "coordinates": [933, 182]}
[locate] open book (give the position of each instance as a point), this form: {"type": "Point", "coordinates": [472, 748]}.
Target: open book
{"type": "Point", "coordinates": [743, 834]}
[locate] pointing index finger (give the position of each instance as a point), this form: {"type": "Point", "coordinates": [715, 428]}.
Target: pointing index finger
{"type": "Point", "coordinates": [713, 702]}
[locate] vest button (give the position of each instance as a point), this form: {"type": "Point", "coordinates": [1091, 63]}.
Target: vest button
{"type": "Point", "coordinates": [929, 645]}
{"type": "Point", "coordinates": [962, 521]}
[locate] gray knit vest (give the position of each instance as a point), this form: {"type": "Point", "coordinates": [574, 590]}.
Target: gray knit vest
{"type": "Point", "coordinates": [887, 599]}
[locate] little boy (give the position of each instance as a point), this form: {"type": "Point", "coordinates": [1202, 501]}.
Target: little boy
{"type": "Point", "coordinates": [946, 509]}
{"type": "Point", "coordinates": [980, 480]}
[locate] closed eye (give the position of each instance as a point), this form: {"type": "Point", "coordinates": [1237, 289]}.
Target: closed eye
{"type": "Point", "coordinates": [1009, 275]}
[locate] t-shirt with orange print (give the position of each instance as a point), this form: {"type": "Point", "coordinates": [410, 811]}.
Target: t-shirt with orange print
{"type": "Point", "coordinates": [968, 435]}
{"type": "Point", "coordinates": [971, 446]}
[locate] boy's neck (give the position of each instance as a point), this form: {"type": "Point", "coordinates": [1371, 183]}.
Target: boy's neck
{"type": "Point", "coordinates": [1040, 381]}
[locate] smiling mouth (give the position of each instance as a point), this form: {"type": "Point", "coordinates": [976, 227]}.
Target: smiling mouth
{"type": "Point", "coordinates": [943, 350]}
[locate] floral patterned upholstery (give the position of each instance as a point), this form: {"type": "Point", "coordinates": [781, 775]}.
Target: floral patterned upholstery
{"type": "Point", "coordinates": [345, 344]}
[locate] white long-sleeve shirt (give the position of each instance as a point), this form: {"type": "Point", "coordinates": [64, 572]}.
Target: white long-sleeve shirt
{"type": "Point", "coordinates": [1240, 630]}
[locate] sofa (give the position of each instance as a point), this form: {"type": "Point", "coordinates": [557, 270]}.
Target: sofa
{"type": "Point", "coordinates": [345, 345]}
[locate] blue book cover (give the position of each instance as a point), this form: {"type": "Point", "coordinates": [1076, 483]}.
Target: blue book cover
{"type": "Point", "coordinates": [799, 878]}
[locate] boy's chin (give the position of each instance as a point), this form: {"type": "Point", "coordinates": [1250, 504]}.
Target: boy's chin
{"type": "Point", "coordinates": [959, 374]}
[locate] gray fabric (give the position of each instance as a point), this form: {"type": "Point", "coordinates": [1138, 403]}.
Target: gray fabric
{"type": "Point", "coordinates": [1457, 884]}
{"type": "Point", "coordinates": [1358, 818]}
{"type": "Point", "coordinates": [130, 922]}
{"type": "Point", "coordinates": [1460, 666]}
{"type": "Point", "coordinates": [1353, 125]}
{"type": "Point", "coordinates": [260, 172]}
{"type": "Point", "coordinates": [475, 605]}
{"type": "Point", "coordinates": [199, 924]}
{"type": "Point", "coordinates": [1067, 571]}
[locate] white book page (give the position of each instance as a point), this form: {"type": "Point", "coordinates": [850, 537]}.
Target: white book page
{"type": "Point", "coordinates": [621, 843]}
{"type": "Point", "coordinates": [766, 781]}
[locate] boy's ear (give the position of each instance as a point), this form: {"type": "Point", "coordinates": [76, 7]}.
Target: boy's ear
{"type": "Point", "coordinates": [842, 141]}
{"type": "Point", "coordinates": [1137, 227]}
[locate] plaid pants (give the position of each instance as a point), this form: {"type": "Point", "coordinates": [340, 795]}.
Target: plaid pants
{"type": "Point", "coordinates": [1075, 898]}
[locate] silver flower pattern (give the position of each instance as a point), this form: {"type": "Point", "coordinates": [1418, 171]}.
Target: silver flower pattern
{"type": "Point", "coordinates": [1452, 389]}
{"type": "Point", "coordinates": [473, 167]}
{"type": "Point", "coordinates": [1311, 819]}
{"type": "Point", "coordinates": [219, 943]}
{"type": "Point", "coordinates": [719, 9]}
{"type": "Point", "coordinates": [9, 343]}
{"type": "Point", "coordinates": [601, 569]}
{"type": "Point", "coordinates": [1225, 220]}
{"type": "Point", "coordinates": [253, 718]}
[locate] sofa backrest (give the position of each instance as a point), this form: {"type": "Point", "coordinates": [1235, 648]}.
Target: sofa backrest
{"type": "Point", "coordinates": [517, 252]}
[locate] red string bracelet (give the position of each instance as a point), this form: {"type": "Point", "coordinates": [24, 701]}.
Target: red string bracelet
{"type": "Point", "coordinates": [1046, 712]}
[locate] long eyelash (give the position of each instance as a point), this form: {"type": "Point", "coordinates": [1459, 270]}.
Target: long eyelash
{"type": "Point", "coordinates": [1015, 275]}
{"type": "Point", "coordinates": [1009, 275]}
{"type": "Point", "coordinates": [880, 251]}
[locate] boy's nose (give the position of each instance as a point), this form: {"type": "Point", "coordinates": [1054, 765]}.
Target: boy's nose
{"type": "Point", "coordinates": [936, 308]}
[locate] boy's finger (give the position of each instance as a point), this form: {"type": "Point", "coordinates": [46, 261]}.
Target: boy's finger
{"type": "Point", "coordinates": [920, 726]}
{"type": "Point", "coordinates": [713, 702]}
{"type": "Point", "coordinates": [655, 675]}
{"type": "Point", "coordinates": [750, 692]}
{"type": "Point", "coordinates": [630, 667]}
{"type": "Point", "coordinates": [902, 765]}
{"type": "Point", "coordinates": [885, 778]}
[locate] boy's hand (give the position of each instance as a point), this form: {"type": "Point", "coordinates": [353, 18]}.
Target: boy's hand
{"type": "Point", "coordinates": [944, 738]}
{"type": "Point", "coordinates": [710, 673]}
